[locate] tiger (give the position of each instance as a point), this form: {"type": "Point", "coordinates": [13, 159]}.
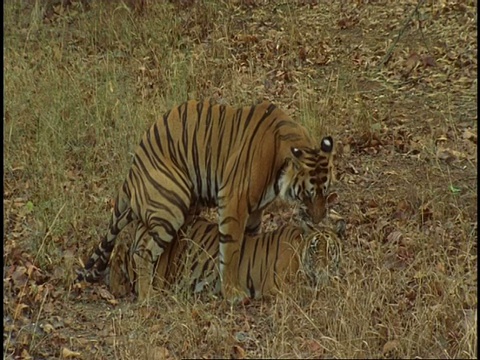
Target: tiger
{"type": "Point", "coordinates": [268, 261]}
{"type": "Point", "coordinates": [201, 154]}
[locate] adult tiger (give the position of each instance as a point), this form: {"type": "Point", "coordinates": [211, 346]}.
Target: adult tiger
{"type": "Point", "coordinates": [201, 154]}
{"type": "Point", "coordinates": [267, 262]}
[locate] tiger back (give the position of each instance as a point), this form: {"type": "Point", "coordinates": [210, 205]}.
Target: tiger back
{"type": "Point", "coordinates": [268, 261]}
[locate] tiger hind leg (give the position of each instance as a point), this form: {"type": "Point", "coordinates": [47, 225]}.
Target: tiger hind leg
{"type": "Point", "coordinates": [163, 218]}
{"type": "Point", "coordinates": [144, 267]}
{"type": "Point", "coordinates": [119, 281]}
{"type": "Point", "coordinates": [152, 262]}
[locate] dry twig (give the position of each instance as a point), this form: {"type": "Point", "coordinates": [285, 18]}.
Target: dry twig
{"type": "Point", "coordinates": [388, 55]}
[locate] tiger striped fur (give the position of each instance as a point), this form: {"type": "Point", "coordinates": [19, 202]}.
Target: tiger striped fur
{"type": "Point", "coordinates": [201, 154]}
{"type": "Point", "coordinates": [268, 260]}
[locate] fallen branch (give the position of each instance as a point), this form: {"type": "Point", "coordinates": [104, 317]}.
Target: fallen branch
{"type": "Point", "coordinates": [389, 53]}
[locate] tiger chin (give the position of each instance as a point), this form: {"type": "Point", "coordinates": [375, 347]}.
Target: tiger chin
{"type": "Point", "coordinates": [201, 154]}
{"type": "Point", "coordinates": [270, 262]}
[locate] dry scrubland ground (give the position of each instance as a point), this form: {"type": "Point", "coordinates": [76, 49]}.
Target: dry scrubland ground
{"type": "Point", "coordinates": [394, 83]}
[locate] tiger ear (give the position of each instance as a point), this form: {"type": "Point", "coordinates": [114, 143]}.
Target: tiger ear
{"type": "Point", "coordinates": [326, 145]}
{"type": "Point", "coordinates": [332, 199]}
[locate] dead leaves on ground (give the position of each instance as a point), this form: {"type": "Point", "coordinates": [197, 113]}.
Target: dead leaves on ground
{"type": "Point", "coordinates": [34, 297]}
{"type": "Point", "coordinates": [69, 354]}
{"type": "Point", "coordinates": [31, 306]}
{"type": "Point", "coordinates": [389, 347]}
{"type": "Point", "coordinates": [385, 139]}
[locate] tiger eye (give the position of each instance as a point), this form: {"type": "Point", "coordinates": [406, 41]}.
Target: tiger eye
{"type": "Point", "coordinates": [297, 152]}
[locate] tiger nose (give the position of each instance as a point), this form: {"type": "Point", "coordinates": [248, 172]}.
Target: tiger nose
{"type": "Point", "coordinates": [318, 214]}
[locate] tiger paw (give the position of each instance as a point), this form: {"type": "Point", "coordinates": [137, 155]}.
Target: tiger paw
{"type": "Point", "coordinates": [144, 288]}
{"type": "Point", "coordinates": [236, 296]}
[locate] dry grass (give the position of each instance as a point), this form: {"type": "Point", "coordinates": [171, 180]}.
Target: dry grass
{"type": "Point", "coordinates": [83, 81]}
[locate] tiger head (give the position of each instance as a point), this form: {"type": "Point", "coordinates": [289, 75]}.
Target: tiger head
{"type": "Point", "coordinates": [321, 258]}
{"type": "Point", "coordinates": [306, 178]}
